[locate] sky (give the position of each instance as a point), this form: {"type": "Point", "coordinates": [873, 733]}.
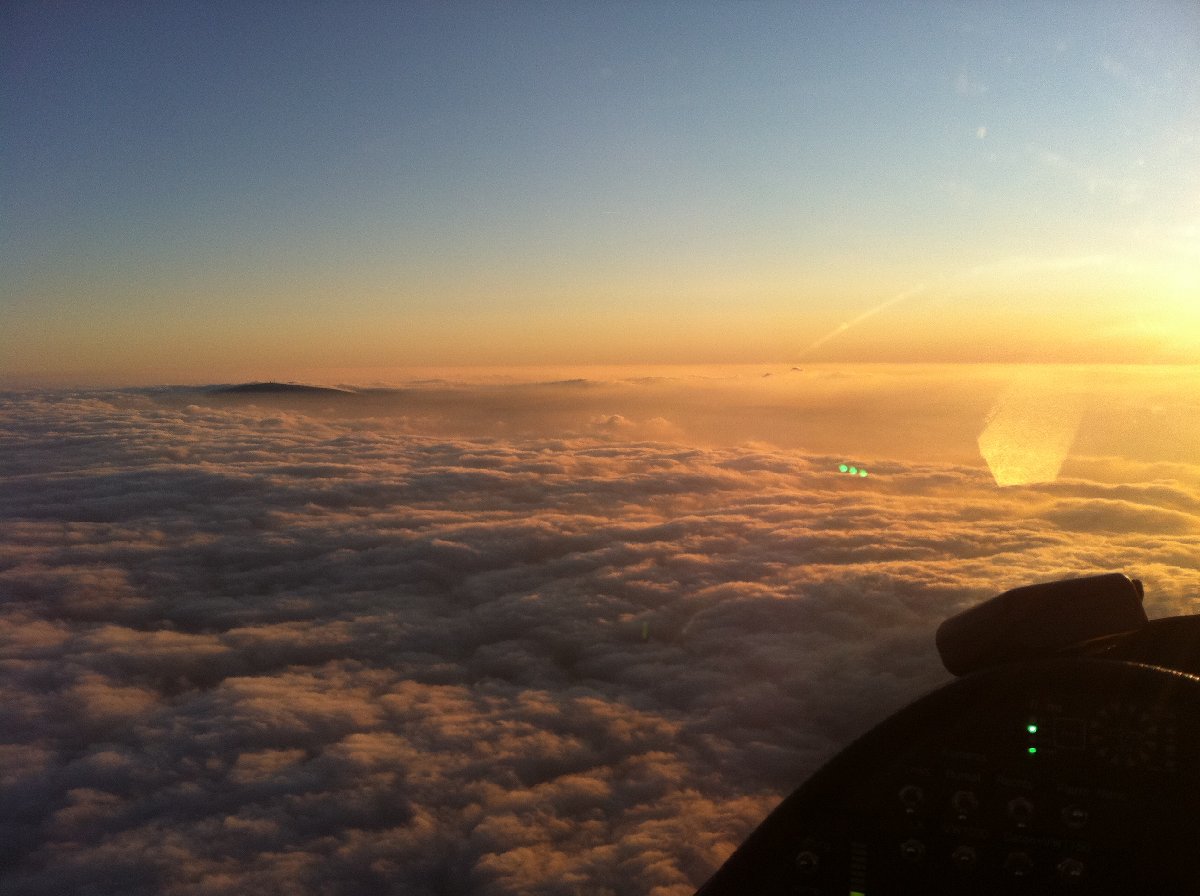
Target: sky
{"type": "Point", "coordinates": [207, 192]}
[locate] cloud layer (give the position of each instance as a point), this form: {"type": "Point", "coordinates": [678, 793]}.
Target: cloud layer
{"type": "Point", "coordinates": [256, 647]}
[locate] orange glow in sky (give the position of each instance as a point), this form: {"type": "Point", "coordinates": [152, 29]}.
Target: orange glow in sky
{"type": "Point", "coordinates": [395, 187]}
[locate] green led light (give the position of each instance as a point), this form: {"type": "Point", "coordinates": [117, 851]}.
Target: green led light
{"type": "Point", "coordinates": [857, 893]}
{"type": "Point", "coordinates": [862, 472]}
{"type": "Point", "coordinates": [854, 471]}
{"type": "Point", "coordinates": [1032, 750]}
{"type": "Point", "coordinates": [842, 468]}
{"type": "Point", "coordinates": [1031, 728]}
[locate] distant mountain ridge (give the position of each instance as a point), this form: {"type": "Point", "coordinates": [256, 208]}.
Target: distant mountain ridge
{"type": "Point", "coordinates": [272, 388]}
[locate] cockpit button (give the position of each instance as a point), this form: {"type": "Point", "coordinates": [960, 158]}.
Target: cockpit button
{"type": "Point", "coordinates": [912, 851]}
{"type": "Point", "coordinates": [807, 863]}
{"type": "Point", "coordinates": [964, 857]}
{"type": "Point", "coordinates": [1074, 817]}
{"type": "Point", "coordinates": [911, 796]}
{"type": "Point", "coordinates": [1070, 870]}
{"type": "Point", "coordinates": [1018, 864]}
{"type": "Point", "coordinates": [1020, 810]}
{"type": "Point", "coordinates": [964, 803]}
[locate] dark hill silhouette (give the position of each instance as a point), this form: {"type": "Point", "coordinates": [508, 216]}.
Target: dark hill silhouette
{"type": "Point", "coordinates": [278, 389]}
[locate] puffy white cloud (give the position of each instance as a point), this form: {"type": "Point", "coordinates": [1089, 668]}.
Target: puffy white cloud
{"type": "Point", "coordinates": [292, 649]}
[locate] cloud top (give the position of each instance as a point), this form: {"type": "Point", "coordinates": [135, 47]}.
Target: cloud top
{"type": "Point", "coordinates": [248, 646]}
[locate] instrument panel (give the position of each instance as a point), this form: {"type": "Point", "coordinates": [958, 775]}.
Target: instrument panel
{"type": "Point", "coordinates": [1058, 776]}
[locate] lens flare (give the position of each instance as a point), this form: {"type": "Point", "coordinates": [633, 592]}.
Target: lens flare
{"type": "Point", "coordinates": [1029, 431]}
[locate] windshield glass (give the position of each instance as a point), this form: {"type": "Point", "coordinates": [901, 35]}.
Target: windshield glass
{"type": "Point", "coordinates": [504, 449]}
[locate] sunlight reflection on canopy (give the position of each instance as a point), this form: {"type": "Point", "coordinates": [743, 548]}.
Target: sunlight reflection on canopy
{"type": "Point", "coordinates": [1029, 431]}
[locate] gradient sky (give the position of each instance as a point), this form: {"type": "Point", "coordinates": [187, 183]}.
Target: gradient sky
{"type": "Point", "coordinates": [188, 191]}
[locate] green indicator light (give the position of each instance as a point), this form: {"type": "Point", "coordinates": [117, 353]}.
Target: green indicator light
{"type": "Point", "coordinates": [1032, 750]}
{"type": "Point", "coordinates": [853, 471]}
{"type": "Point", "coordinates": [842, 468]}
{"type": "Point", "coordinates": [857, 893]}
{"type": "Point", "coordinates": [862, 472]}
{"type": "Point", "coordinates": [1032, 729]}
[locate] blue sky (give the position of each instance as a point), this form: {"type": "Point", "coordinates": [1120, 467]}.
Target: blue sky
{"type": "Point", "coordinates": [516, 183]}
